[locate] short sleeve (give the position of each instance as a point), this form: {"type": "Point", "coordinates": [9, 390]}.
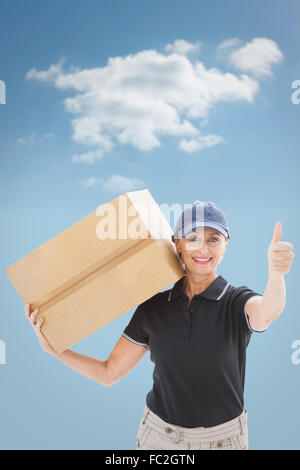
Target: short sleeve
{"type": "Point", "coordinates": [135, 331]}
{"type": "Point", "coordinates": [241, 297]}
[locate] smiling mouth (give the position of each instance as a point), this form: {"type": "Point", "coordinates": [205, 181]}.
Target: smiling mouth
{"type": "Point", "coordinates": [202, 260]}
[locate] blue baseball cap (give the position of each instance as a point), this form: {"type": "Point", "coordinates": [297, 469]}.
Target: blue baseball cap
{"type": "Point", "coordinates": [201, 214]}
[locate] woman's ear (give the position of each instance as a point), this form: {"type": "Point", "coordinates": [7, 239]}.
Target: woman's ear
{"type": "Point", "coordinates": [177, 245]}
{"type": "Point", "coordinates": [225, 246]}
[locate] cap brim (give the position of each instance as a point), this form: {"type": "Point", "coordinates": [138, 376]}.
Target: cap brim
{"type": "Point", "coordinates": [189, 228]}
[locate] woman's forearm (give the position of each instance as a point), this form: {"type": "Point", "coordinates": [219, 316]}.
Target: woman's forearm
{"type": "Point", "coordinates": [90, 367]}
{"type": "Point", "coordinates": [274, 297]}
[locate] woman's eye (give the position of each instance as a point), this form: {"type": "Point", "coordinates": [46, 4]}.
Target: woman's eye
{"type": "Point", "coordinates": [194, 239]}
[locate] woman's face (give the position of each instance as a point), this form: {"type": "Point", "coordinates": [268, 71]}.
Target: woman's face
{"type": "Point", "coordinates": [201, 250]}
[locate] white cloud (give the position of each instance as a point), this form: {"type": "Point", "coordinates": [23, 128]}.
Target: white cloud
{"type": "Point", "coordinates": [182, 47]}
{"type": "Point", "coordinates": [47, 135]}
{"type": "Point", "coordinates": [229, 43]}
{"type": "Point", "coordinates": [88, 157]}
{"type": "Point", "coordinates": [137, 98]}
{"type": "Point", "coordinates": [88, 182]}
{"type": "Point", "coordinates": [29, 139]}
{"type": "Point", "coordinates": [48, 75]}
{"type": "Point", "coordinates": [200, 143]}
{"type": "Point", "coordinates": [257, 57]}
{"type": "Point", "coordinates": [121, 184]}
{"type": "Point", "coordinates": [114, 184]}
{"type": "Point", "coordinates": [33, 137]}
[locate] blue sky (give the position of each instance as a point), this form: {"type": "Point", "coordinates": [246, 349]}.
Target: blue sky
{"type": "Point", "coordinates": [191, 100]}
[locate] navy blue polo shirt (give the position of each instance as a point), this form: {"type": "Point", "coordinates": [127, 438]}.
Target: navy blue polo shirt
{"type": "Point", "coordinates": [199, 352]}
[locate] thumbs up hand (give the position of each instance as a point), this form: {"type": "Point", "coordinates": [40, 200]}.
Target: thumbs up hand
{"type": "Point", "coordinates": [280, 254]}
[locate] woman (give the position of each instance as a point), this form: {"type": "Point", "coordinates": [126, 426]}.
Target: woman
{"type": "Point", "coordinates": [197, 333]}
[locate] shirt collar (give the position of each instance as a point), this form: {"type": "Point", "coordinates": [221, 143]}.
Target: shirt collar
{"type": "Point", "coordinates": [213, 292]}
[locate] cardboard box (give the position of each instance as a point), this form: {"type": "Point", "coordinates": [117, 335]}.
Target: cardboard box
{"type": "Point", "coordinates": [98, 269]}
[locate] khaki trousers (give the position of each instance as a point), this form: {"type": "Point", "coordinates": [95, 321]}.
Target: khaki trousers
{"type": "Point", "coordinates": [154, 433]}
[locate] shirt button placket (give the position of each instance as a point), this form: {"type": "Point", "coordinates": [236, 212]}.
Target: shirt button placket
{"type": "Point", "coordinates": [188, 324]}
{"type": "Point", "coordinates": [185, 325]}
